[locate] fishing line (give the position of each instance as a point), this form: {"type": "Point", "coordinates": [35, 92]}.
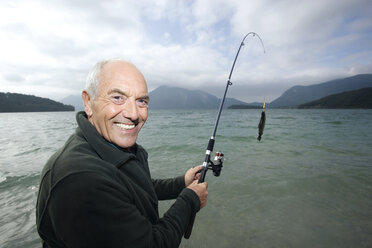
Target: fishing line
{"type": "Point", "coordinates": [216, 166]}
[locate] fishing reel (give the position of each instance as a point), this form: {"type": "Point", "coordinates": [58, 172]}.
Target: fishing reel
{"type": "Point", "coordinates": [216, 165]}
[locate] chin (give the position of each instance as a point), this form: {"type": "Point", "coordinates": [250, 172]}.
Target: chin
{"type": "Point", "coordinates": [126, 144]}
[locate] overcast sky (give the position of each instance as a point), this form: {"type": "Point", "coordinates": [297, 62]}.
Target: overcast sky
{"type": "Point", "coordinates": [48, 47]}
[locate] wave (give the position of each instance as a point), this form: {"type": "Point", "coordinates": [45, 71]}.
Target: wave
{"type": "Point", "coordinates": [18, 196]}
{"type": "Point", "coordinates": [334, 122]}
{"type": "Point", "coordinates": [9, 181]}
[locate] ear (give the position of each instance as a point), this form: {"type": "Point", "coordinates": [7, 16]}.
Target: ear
{"type": "Point", "coordinates": [88, 102]}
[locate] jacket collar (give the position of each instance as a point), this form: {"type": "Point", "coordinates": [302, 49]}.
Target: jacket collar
{"type": "Point", "coordinates": [106, 150]}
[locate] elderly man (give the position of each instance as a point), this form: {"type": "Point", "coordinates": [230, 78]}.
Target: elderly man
{"type": "Point", "coordinates": [96, 191]}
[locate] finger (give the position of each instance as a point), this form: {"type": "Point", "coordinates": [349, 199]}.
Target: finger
{"type": "Point", "coordinates": [195, 170]}
{"type": "Point", "coordinates": [197, 176]}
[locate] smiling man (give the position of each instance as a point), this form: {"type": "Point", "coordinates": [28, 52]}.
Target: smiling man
{"type": "Point", "coordinates": [97, 191]}
{"type": "Point", "coordinates": [120, 109]}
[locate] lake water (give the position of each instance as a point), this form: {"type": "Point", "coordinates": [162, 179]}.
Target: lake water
{"type": "Point", "coordinates": [308, 183]}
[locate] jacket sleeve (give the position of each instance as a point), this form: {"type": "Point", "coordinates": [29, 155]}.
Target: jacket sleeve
{"type": "Point", "coordinates": [87, 210]}
{"type": "Point", "coordinates": [169, 188]}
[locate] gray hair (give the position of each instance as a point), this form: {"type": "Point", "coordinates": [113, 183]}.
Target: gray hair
{"type": "Point", "coordinates": [93, 78]}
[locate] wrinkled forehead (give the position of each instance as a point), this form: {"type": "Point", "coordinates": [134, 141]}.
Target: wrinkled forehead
{"type": "Point", "coordinates": [122, 74]}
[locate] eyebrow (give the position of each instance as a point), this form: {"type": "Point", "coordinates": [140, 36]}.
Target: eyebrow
{"type": "Point", "coordinates": [146, 97]}
{"type": "Point", "coordinates": [116, 91]}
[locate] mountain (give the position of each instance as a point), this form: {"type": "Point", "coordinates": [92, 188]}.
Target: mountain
{"type": "Point", "coordinates": [302, 94]}
{"type": "Point", "coordinates": [361, 98]}
{"type": "Point", "coordinates": [74, 100]}
{"type": "Point", "coordinates": [166, 97]}
{"type": "Point", "coordinates": [14, 102]}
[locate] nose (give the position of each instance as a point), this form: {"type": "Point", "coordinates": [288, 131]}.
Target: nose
{"type": "Point", "coordinates": [130, 110]}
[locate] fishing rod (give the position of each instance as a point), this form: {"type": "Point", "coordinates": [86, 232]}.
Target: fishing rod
{"type": "Point", "coordinates": [216, 166]}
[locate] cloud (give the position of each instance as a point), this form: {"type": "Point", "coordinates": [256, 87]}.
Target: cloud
{"type": "Point", "coordinates": [13, 77]}
{"type": "Point", "coordinates": [52, 44]}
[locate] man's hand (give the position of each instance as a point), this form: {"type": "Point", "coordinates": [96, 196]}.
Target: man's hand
{"type": "Point", "coordinates": [201, 190]}
{"type": "Point", "coordinates": [191, 182]}
{"type": "Point", "coordinates": [192, 175]}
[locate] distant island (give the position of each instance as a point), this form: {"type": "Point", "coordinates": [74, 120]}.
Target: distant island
{"type": "Point", "coordinates": [244, 106]}
{"type": "Point", "coordinates": [361, 98]}
{"type": "Point", "coordinates": [14, 102]}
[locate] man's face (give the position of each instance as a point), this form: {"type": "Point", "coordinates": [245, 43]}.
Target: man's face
{"type": "Point", "coordinates": [120, 110]}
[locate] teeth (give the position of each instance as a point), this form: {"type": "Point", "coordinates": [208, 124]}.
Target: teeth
{"type": "Point", "coordinates": [124, 126]}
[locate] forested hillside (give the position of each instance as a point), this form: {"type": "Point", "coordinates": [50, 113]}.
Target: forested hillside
{"type": "Point", "coordinates": [14, 102]}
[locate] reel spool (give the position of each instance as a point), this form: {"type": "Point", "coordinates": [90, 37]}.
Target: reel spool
{"type": "Point", "coordinates": [216, 165]}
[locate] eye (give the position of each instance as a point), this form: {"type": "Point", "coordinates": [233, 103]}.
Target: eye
{"type": "Point", "coordinates": [118, 99]}
{"type": "Point", "coordinates": [142, 102]}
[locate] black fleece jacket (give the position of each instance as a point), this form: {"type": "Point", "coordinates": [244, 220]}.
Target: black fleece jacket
{"type": "Point", "coordinates": [93, 194]}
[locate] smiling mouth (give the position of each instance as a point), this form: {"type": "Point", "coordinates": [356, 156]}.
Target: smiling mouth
{"type": "Point", "coordinates": [125, 126]}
